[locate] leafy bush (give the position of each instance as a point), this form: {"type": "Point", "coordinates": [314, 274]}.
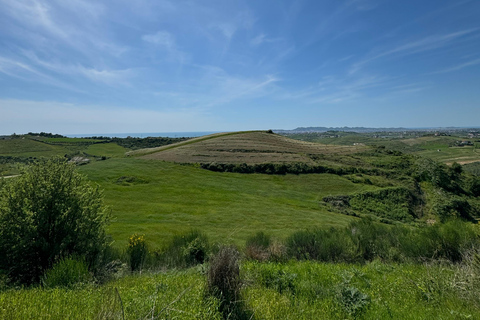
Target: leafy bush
{"type": "Point", "coordinates": [186, 250]}
{"type": "Point", "coordinates": [447, 206]}
{"type": "Point", "coordinates": [47, 213]}
{"type": "Point", "coordinates": [353, 301]}
{"type": "Point", "coordinates": [447, 241]}
{"type": "Point", "coordinates": [67, 273]}
{"type": "Point", "coordinates": [278, 279]}
{"type": "Point", "coordinates": [391, 203]}
{"type": "Point", "coordinates": [136, 251]}
{"type": "Point", "coordinates": [330, 245]}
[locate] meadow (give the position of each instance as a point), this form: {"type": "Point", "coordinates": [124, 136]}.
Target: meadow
{"type": "Point", "coordinates": [160, 199]}
{"type": "Point", "coordinates": [321, 261]}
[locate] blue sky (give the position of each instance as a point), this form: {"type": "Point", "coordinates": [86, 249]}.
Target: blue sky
{"type": "Point", "coordinates": [81, 66]}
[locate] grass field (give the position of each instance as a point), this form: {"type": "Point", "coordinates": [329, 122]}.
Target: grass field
{"type": "Point", "coordinates": [439, 148]}
{"type": "Point", "coordinates": [25, 147]}
{"type": "Point", "coordinates": [159, 199]}
{"type": "Point", "coordinates": [296, 290]}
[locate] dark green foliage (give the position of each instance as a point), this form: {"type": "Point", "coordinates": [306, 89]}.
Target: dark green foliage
{"type": "Point", "coordinates": [391, 203]}
{"type": "Point", "coordinates": [67, 273]}
{"type": "Point", "coordinates": [447, 206]}
{"type": "Point", "coordinates": [278, 279]}
{"type": "Point", "coordinates": [279, 168]}
{"type": "Point", "coordinates": [46, 135]}
{"type": "Point", "coordinates": [365, 240]}
{"type": "Point", "coordinates": [141, 143]}
{"type": "Point", "coordinates": [449, 241]}
{"type": "Point", "coordinates": [473, 186]}
{"type": "Point", "coordinates": [48, 213]}
{"type": "Point", "coordinates": [434, 172]}
{"type": "Point", "coordinates": [324, 245]}
{"type": "Point", "coordinates": [186, 250]}
{"type": "Point", "coordinates": [260, 239]}
{"type": "Point", "coordinates": [373, 240]}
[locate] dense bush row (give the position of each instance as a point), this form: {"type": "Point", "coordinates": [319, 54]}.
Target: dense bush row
{"type": "Point", "coordinates": [365, 240]}
{"type": "Point", "coordinates": [283, 168]}
{"type": "Point", "coordinates": [140, 143]}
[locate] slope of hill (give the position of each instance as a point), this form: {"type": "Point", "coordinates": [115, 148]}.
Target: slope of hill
{"type": "Point", "coordinates": [244, 147]}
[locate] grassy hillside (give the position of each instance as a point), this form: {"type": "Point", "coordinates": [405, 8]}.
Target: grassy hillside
{"type": "Point", "coordinates": [160, 199]}
{"type": "Point", "coordinates": [245, 147]}
{"type": "Point", "coordinates": [148, 194]}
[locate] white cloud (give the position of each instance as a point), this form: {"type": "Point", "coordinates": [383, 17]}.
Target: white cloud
{"type": "Point", "coordinates": [161, 38]}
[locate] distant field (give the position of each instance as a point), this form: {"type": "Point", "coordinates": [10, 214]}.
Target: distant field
{"type": "Point", "coordinates": [250, 148]}
{"type": "Point", "coordinates": [439, 148]}
{"type": "Point", "coordinates": [69, 140]}
{"type": "Point", "coordinates": [160, 199]}
{"type": "Point", "coordinates": [106, 149]}
{"type": "Point", "coordinates": [25, 147]}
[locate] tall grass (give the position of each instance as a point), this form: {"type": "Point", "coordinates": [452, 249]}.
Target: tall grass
{"type": "Point", "coordinates": [364, 240]}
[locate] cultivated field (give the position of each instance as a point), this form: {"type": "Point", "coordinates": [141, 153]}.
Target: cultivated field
{"type": "Point", "coordinates": [249, 148]}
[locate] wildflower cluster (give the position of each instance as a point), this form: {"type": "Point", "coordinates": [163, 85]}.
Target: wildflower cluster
{"type": "Point", "coordinates": [137, 251]}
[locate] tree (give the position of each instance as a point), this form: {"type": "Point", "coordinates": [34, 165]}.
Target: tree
{"type": "Point", "coordinates": [48, 213]}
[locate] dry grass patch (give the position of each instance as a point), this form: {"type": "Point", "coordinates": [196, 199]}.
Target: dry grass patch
{"type": "Point", "coordinates": [248, 147]}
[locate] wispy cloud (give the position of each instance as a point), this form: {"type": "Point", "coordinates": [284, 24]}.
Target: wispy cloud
{"type": "Point", "coordinates": [459, 67]}
{"type": "Point", "coordinates": [161, 38]}
{"type": "Point", "coordinates": [418, 46]}
{"type": "Point", "coordinates": [263, 38]}
{"type": "Point", "coordinates": [111, 77]}
{"type": "Point", "coordinates": [26, 72]}
{"type": "Point", "coordinates": [53, 25]}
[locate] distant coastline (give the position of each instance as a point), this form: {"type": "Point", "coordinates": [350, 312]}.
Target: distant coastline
{"type": "Point", "coordinates": [144, 134]}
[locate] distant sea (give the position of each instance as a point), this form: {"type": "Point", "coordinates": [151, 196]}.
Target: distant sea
{"type": "Point", "coordinates": [144, 134]}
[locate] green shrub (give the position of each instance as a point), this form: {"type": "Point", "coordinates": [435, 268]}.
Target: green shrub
{"type": "Point", "coordinates": [137, 251]}
{"type": "Point", "coordinates": [50, 211]}
{"type": "Point", "coordinates": [353, 301]}
{"type": "Point", "coordinates": [391, 203]}
{"type": "Point", "coordinates": [186, 250]}
{"type": "Point", "coordinates": [67, 273]}
{"type": "Point", "coordinates": [448, 241]}
{"type": "Point", "coordinates": [330, 245]}
{"type": "Point", "coordinates": [278, 279]}
{"type": "Point", "coordinates": [257, 246]}
{"type": "Point", "coordinates": [447, 206]}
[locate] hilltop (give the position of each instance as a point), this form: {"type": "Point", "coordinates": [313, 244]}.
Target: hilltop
{"type": "Point", "coordinates": [243, 147]}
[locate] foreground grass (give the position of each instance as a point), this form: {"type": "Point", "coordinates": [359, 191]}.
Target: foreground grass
{"type": "Point", "coordinates": [160, 199]}
{"type": "Point", "coordinates": [295, 290]}
{"type": "Point", "coordinates": [178, 295]}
